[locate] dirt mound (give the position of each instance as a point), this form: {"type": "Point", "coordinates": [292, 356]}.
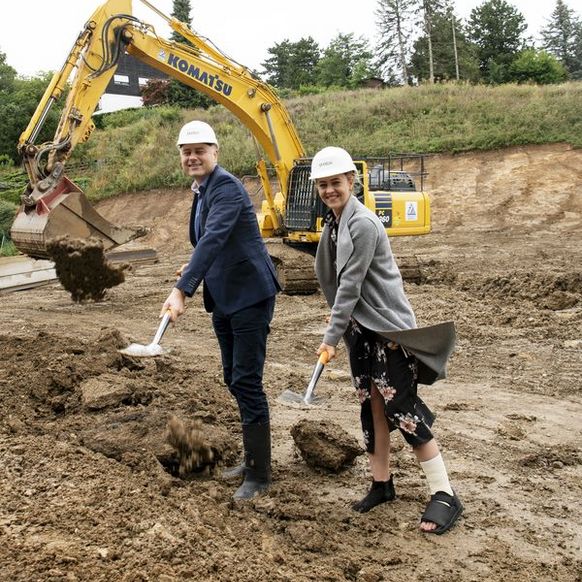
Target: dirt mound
{"type": "Point", "coordinates": [325, 444]}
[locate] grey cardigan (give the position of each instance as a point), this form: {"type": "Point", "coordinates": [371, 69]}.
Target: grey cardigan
{"type": "Point", "coordinates": [365, 284]}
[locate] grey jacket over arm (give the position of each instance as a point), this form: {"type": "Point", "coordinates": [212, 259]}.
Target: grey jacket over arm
{"type": "Point", "coordinates": [365, 283]}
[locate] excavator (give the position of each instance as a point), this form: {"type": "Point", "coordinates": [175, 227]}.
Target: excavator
{"type": "Point", "coordinates": [53, 206]}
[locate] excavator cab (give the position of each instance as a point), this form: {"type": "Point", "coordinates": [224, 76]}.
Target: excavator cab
{"type": "Point", "coordinates": [392, 187]}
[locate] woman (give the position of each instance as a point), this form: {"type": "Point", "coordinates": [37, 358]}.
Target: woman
{"type": "Point", "coordinates": [388, 354]}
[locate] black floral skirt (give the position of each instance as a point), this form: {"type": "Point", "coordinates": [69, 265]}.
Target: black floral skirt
{"type": "Point", "coordinates": [377, 361]}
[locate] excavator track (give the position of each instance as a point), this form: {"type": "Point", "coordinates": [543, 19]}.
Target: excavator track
{"type": "Point", "coordinates": [294, 265]}
{"type": "Point", "coordinates": [296, 273]}
{"type": "Point", "coordinates": [410, 268]}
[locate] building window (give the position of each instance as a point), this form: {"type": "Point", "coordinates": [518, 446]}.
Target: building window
{"type": "Point", "coordinates": [121, 80]}
{"type": "Point", "coordinates": [142, 81]}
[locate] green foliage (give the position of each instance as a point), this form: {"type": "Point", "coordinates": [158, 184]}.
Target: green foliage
{"type": "Point", "coordinates": [532, 66]}
{"type": "Point", "coordinates": [443, 53]}
{"type": "Point", "coordinates": [180, 95]}
{"type": "Point", "coordinates": [395, 31]}
{"type": "Point", "coordinates": [181, 11]}
{"type": "Point", "coordinates": [497, 28]}
{"type": "Point", "coordinates": [12, 184]}
{"type": "Point", "coordinates": [346, 62]}
{"type": "Point", "coordinates": [7, 248]}
{"type": "Point", "coordinates": [126, 117]}
{"type": "Point", "coordinates": [562, 37]}
{"type": "Point", "coordinates": [292, 64]}
{"type": "Point", "coordinates": [17, 106]}
{"type": "Point", "coordinates": [6, 161]}
{"type": "Point", "coordinates": [7, 76]}
{"type": "Point", "coordinates": [7, 214]}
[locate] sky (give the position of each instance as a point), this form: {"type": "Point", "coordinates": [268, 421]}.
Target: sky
{"type": "Point", "coordinates": [36, 35]}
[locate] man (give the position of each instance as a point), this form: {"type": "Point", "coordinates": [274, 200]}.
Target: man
{"type": "Point", "coordinates": [239, 290]}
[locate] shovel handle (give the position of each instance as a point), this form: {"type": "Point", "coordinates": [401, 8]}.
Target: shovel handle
{"type": "Point", "coordinates": [323, 359]}
{"type": "Point", "coordinates": [162, 327]}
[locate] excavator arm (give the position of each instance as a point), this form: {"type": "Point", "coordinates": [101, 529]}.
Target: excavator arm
{"type": "Point", "coordinates": [52, 205]}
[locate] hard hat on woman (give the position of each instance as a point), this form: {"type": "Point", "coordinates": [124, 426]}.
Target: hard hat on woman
{"type": "Point", "coordinates": [331, 161]}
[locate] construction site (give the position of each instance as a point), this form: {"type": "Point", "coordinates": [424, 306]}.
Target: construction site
{"type": "Point", "coordinates": [89, 485]}
{"type": "Point", "coordinates": [116, 427]}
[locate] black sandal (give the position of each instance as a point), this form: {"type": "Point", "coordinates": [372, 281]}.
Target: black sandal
{"type": "Point", "coordinates": [442, 509]}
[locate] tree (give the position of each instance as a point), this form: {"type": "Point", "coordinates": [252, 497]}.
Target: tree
{"type": "Point", "coordinates": [562, 37]}
{"type": "Point", "coordinates": [178, 93]}
{"type": "Point", "coordinates": [181, 11]}
{"type": "Point", "coordinates": [17, 106]}
{"type": "Point", "coordinates": [497, 28]}
{"type": "Point", "coordinates": [292, 64]}
{"type": "Point", "coordinates": [346, 62]}
{"type": "Point", "coordinates": [444, 48]}
{"type": "Point", "coordinates": [427, 10]}
{"type": "Point", "coordinates": [394, 26]}
{"type": "Point", "coordinates": [7, 75]}
{"type": "Point", "coordinates": [538, 67]}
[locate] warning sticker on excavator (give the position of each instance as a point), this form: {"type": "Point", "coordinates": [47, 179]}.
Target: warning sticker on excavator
{"type": "Point", "coordinates": [412, 210]}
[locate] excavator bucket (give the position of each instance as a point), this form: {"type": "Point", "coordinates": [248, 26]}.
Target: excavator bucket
{"type": "Point", "coordinates": [57, 207]}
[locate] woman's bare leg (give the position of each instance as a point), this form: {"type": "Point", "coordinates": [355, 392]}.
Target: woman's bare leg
{"type": "Point", "coordinates": [380, 458]}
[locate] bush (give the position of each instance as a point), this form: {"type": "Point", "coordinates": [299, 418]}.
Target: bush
{"type": "Point", "coordinates": [126, 117]}
{"type": "Point", "coordinates": [6, 161]}
{"type": "Point", "coordinates": [7, 214]}
{"type": "Point", "coordinates": [538, 67]}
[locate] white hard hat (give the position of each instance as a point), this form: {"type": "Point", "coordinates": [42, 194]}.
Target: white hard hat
{"type": "Point", "coordinates": [331, 161]}
{"type": "Point", "coordinates": [197, 132]}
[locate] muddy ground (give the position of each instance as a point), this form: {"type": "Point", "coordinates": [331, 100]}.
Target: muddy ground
{"type": "Point", "coordinates": [89, 486]}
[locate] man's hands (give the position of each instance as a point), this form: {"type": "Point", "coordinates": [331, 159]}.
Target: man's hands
{"type": "Point", "coordinates": [175, 303]}
{"type": "Point", "coordinates": [326, 348]}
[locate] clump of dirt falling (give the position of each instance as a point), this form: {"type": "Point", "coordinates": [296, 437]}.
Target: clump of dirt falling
{"type": "Point", "coordinates": [187, 438]}
{"type": "Point", "coordinates": [325, 444]}
{"type": "Point", "coordinates": [83, 269]}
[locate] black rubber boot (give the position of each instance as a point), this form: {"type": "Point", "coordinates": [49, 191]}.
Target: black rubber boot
{"type": "Point", "coordinates": [257, 471]}
{"type": "Point", "coordinates": [231, 473]}
{"type": "Point", "coordinates": [380, 492]}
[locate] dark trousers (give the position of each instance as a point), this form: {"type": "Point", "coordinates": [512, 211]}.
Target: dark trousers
{"type": "Point", "coordinates": [242, 337]}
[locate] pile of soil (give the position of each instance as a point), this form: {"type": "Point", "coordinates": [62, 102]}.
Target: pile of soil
{"type": "Point", "coordinates": [90, 489]}
{"type": "Point", "coordinates": [325, 444]}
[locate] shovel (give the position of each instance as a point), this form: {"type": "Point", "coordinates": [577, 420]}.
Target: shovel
{"type": "Point", "coordinates": [152, 349]}
{"type": "Point", "coordinates": [309, 398]}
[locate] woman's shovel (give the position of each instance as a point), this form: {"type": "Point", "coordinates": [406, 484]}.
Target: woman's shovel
{"type": "Point", "coordinates": [309, 398]}
{"type": "Point", "coordinates": [152, 349]}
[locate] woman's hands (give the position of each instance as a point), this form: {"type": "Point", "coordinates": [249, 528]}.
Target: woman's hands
{"type": "Point", "coordinates": [326, 348]}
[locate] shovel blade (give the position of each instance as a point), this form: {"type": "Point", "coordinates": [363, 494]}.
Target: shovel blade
{"type": "Point", "coordinates": [141, 351]}
{"type": "Point", "coordinates": [289, 397]}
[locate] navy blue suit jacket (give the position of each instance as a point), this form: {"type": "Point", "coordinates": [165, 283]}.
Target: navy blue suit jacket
{"type": "Point", "coordinates": [230, 257]}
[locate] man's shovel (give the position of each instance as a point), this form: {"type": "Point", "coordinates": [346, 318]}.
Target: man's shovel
{"type": "Point", "coordinates": [309, 398]}
{"type": "Point", "coordinates": [152, 349]}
